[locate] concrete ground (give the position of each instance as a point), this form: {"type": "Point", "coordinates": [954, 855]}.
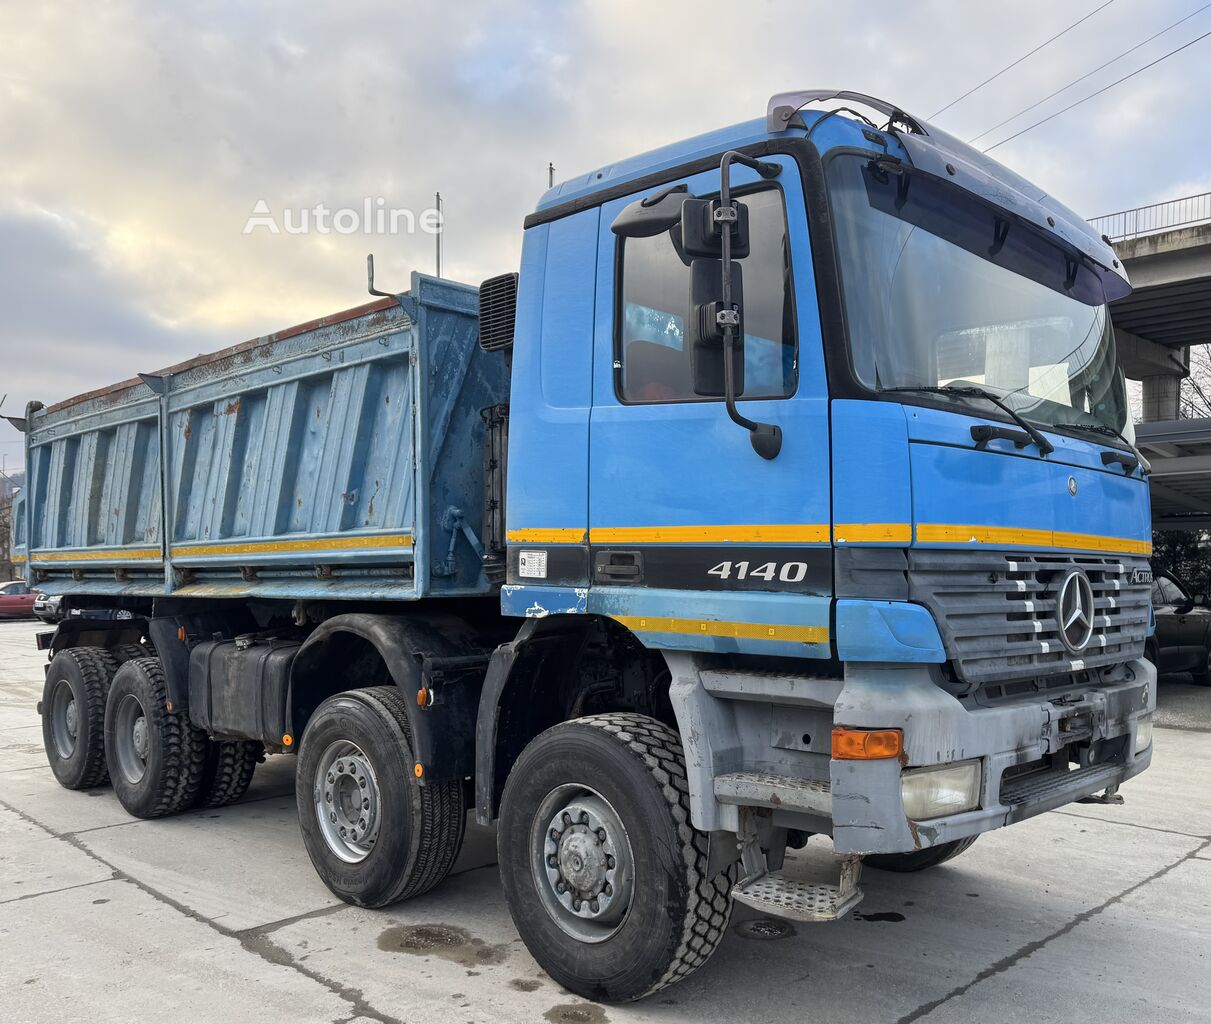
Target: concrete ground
{"type": "Point", "coordinates": [1093, 913]}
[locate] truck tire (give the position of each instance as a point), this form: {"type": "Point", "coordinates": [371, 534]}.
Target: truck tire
{"type": "Point", "coordinates": [605, 877]}
{"type": "Point", "coordinates": [375, 834]}
{"type": "Point", "coordinates": [228, 771]}
{"type": "Point", "coordinates": [919, 860]}
{"type": "Point", "coordinates": [73, 715]}
{"type": "Point", "coordinates": [123, 653]}
{"type": "Point", "coordinates": [156, 758]}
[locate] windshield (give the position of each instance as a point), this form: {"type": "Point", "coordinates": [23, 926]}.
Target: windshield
{"type": "Point", "coordinates": [941, 290]}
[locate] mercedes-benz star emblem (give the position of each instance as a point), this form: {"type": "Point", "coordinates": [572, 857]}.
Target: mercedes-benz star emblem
{"type": "Point", "coordinates": [1074, 611]}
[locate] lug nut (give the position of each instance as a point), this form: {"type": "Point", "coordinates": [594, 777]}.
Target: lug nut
{"type": "Point", "coordinates": [593, 906]}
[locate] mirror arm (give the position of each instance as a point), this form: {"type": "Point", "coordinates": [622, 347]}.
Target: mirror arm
{"type": "Point", "coordinates": [766, 438]}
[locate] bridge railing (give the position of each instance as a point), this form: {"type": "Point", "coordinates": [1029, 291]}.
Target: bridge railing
{"type": "Point", "coordinates": [1147, 220]}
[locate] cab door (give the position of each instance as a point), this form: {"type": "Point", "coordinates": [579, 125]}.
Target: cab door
{"type": "Point", "coordinates": [697, 542]}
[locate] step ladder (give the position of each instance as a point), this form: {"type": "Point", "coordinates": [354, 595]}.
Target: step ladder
{"type": "Point", "coordinates": [774, 892]}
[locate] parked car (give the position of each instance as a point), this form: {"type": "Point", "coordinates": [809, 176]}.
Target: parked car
{"type": "Point", "coordinates": [49, 607]}
{"type": "Point", "coordinates": [16, 600]}
{"type": "Point", "coordinates": [1183, 630]}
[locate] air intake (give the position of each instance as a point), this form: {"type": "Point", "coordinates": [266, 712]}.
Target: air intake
{"type": "Point", "coordinates": [497, 312]}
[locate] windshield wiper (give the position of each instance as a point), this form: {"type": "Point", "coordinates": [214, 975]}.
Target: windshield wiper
{"type": "Point", "coordinates": [1109, 431]}
{"type": "Point", "coordinates": [1044, 446]}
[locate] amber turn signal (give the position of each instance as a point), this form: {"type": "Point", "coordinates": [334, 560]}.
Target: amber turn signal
{"type": "Point", "coordinates": [866, 744]}
{"type": "Point", "coordinates": [287, 739]}
{"type": "Point", "coordinates": [418, 769]}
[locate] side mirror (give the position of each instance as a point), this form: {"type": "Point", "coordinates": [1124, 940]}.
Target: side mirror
{"type": "Point", "coordinates": [704, 335]}
{"type": "Point", "coordinates": [652, 214]}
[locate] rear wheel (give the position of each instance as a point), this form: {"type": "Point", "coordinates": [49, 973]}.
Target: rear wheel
{"type": "Point", "coordinates": [156, 758]}
{"type": "Point", "coordinates": [919, 860]}
{"type": "Point", "coordinates": [73, 715]}
{"type": "Point", "coordinates": [228, 771]}
{"type": "Point", "coordinates": [604, 875]}
{"type": "Point", "coordinates": [374, 833]}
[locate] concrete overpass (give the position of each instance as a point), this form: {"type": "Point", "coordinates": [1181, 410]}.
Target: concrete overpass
{"type": "Point", "coordinates": [1166, 250]}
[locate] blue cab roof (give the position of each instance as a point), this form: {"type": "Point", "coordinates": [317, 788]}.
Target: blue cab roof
{"type": "Point", "coordinates": [928, 148]}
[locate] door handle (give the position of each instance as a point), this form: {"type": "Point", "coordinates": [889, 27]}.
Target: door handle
{"type": "Point", "coordinates": [618, 567]}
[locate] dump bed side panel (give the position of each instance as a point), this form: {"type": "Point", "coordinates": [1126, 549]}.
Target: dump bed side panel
{"type": "Point", "coordinates": [320, 462]}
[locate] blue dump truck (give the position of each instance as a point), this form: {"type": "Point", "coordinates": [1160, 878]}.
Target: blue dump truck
{"type": "Point", "coordinates": [788, 490]}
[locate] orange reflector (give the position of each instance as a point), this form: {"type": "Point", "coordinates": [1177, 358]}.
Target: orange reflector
{"type": "Point", "coordinates": [287, 740]}
{"type": "Point", "coordinates": [181, 634]}
{"type": "Point", "coordinates": [866, 744]}
{"type": "Point", "coordinates": [422, 697]}
{"type": "Point", "coordinates": [168, 705]}
{"type": "Point", "coordinates": [418, 769]}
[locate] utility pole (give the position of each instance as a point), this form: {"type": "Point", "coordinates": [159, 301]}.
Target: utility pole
{"type": "Point", "coordinates": [440, 228]}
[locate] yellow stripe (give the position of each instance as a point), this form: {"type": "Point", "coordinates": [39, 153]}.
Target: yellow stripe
{"type": "Point", "coordinates": [954, 533]}
{"type": "Point", "coordinates": [553, 536]}
{"type": "Point", "coordinates": [739, 630]}
{"type": "Point", "coordinates": [93, 555]}
{"type": "Point", "coordinates": [16, 559]}
{"type": "Point", "coordinates": [873, 533]}
{"type": "Point", "coordinates": [772, 533]}
{"type": "Point", "coordinates": [266, 547]}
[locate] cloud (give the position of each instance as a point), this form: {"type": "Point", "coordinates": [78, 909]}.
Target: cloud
{"type": "Point", "coordinates": [138, 138]}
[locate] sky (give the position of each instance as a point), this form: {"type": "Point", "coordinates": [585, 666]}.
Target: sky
{"type": "Point", "coordinates": [138, 138]}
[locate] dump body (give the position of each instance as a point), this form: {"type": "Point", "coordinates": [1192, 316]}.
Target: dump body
{"type": "Point", "coordinates": [340, 459]}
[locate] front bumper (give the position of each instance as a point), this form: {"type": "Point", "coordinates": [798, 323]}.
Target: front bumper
{"type": "Point", "coordinates": [1013, 740]}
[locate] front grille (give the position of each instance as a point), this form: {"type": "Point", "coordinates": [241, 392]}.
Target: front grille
{"type": "Point", "coordinates": [997, 611]}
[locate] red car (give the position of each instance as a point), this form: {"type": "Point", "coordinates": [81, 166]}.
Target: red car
{"type": "Point", "coordinates": [16, 600]}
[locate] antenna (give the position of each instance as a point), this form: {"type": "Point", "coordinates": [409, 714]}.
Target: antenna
{"type": "Point", "coordinates": [550, 175]}
{"type": "Point", "coordinates": [440, 227]}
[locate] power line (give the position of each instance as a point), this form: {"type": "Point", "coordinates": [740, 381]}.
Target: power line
{"type": "Point", "coordinates": [1026, 110]}
{"type": "Point", "coordinates": [1009, 67]}
{"type": "Point", "coordinates": [1098, 92]}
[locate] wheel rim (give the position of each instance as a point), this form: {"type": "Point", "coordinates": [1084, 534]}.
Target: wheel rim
{"type": "Point", "coordinates": [131, 738]}
{"type": "Point", "coordinates": [583, 866]}
{"type": "Point", "coordinates": [64, 719]}
{"type": "Point", "coordinates": [348, 805]}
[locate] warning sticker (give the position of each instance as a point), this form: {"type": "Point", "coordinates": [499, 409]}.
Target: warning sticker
{"type": "Point", "coordinates": [532, 564]}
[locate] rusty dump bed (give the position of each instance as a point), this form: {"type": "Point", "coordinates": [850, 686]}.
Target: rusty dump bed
{"type": "Point", "coordinates": [341, 459]}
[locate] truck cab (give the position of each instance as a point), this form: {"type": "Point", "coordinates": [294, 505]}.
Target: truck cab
{"type": "Point", "coordinates": [924, 615]}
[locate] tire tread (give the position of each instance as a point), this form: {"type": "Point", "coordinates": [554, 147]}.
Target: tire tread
{"type": "Point", "coordinates": [709, 906]}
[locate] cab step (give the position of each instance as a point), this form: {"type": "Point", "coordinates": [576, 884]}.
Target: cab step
{"type": "Point", "coordinates": [775, 894]}
{"type": "Point", "coordinates": [781, 792]}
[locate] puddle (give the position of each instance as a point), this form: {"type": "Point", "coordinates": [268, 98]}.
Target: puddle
{"type": "Point", "coordinates": [765, 928]}
{"type": "Point", "coordinates": [446, 941]}
{"type": "Point", "coordinates": [889, 915]}
{"type": "Point", "coordinates": [576, 1013]}
{"type": "Point", "coordinates": [526, 984]}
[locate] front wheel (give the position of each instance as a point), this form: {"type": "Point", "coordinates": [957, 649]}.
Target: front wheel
{"type": "Point", "coordinates": [919, 860]}
{"type": "Point", "coordinates": [1201, 676]}
{"type": "Point", "coordinates": [605, 877]}
{"type": "Point", "coordinates": [374, 833]}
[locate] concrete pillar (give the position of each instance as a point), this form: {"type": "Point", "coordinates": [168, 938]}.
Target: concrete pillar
{"type": "Point", "coordinates": [1160, 397]}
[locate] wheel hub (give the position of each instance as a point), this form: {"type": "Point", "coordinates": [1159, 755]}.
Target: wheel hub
{"type": "Point", "coordinates": [347, 801]}
{"type": "Point", "coordinates": [72, 721]}
{"type": "Point", "coordinates": [586, 864]}
{"type": "Point", "coordinates": [138, 735]}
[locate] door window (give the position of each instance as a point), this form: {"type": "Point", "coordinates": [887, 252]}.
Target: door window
{"type": "Point", "coordinates": [653, 362]}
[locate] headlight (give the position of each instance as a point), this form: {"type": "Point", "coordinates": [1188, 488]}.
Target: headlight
{"type": "Point", "coordinates": [938, 791]}
{"type": "Point", "coordinates": [1143, 733]}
